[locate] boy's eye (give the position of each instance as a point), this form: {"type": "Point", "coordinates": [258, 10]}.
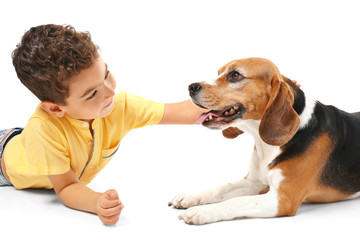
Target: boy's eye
{"type": "Point", "coordinates": [92, 95]}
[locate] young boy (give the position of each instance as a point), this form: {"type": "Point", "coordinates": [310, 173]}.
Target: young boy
{"type": "Point", "coordinates": [77, 127]}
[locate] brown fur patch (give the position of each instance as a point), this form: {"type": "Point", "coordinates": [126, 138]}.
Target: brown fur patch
{"type": "Point", "coordinates": [325, 195]}
{"type": "Point", "coordinates": [264, 190]}
{"type": "Point", "coordinates": [302, 178]}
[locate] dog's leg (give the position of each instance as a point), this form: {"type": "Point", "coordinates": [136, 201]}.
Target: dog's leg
{"type": "Point", "coordinates": [245, 187]}
{"type": "Point", "coordinates": [264, 206]}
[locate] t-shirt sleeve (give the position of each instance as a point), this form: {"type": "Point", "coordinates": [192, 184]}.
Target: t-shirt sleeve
{"type": "Point", "coordinates": [45, 149]}
{"type": "Point", "coordinates": [140, 112]}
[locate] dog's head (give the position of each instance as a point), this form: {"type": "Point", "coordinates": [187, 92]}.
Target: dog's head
{"type": "Point", "coordinates": [250, 88]}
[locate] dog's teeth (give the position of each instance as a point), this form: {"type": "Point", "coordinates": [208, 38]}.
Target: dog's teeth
{"type": "Point", "coordinates": [231, 111]}
{"type": "Point", "coordinates": [210, 117]}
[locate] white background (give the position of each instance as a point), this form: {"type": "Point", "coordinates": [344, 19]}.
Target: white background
{"type": "Point", "coordinates": [156, 49]}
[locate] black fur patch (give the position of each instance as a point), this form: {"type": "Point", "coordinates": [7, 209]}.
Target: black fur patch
{"type": "Point", "coordinates": [342, 169]}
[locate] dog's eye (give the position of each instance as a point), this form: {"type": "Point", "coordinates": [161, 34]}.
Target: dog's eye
{"type": "Point", "coordinates": [235, 76]}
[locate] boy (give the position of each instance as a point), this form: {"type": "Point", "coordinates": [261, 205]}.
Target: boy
{"type": "Point", "coordinates": [79, 123]}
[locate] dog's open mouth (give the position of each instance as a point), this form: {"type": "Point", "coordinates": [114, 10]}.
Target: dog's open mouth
{"type": "Point", "coordinates": [226, 115]}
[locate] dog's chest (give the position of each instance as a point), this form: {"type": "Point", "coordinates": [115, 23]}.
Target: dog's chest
{"type": "Point", "coordinates": [266, 154]}
{"type": "Point", "coordinates": [263, 154]}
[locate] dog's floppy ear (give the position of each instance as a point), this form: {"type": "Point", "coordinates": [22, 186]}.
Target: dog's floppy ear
{"type": "Point", "coordinates": [223, 68]}
{"type": "Point", "coordinates": [279, 122]}
{"type": "Point", "coordinates": [232, 132]}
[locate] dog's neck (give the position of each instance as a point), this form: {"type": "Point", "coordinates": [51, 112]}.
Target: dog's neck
{"type": "Point", "coordinates": [304, 106]}
{"type": "Point", "coordinates": [265, 151]}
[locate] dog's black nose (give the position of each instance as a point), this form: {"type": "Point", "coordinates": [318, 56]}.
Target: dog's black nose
{"type": "Point", "coordinates": [194, 88]}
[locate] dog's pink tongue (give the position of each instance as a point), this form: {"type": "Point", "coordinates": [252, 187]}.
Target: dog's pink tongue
{"type": "Point", "coordinates": [201, 119]}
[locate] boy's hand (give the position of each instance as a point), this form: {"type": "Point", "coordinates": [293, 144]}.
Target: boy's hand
{"type": "Point", "coordinates": [296, 83]}
{"type": "Point", "coordinates": [109, 207]}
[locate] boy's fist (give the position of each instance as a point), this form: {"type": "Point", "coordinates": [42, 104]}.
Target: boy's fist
{"type": "Point", "coordinates": [109, 207]}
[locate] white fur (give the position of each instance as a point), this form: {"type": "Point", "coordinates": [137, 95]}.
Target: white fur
{"type": "Point", "coordinates": [356, 195]}
{"type": "Point", "coordinates": [212, 83]}
{"type": "Point", "coordinates": [305, 116]}
{"type": "Point", "coordinates": [241, 198]}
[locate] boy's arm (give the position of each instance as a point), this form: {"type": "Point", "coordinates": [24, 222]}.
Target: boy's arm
{"type": "Point", "coordinates": [78, 196]}
{"type": "Point", "coordinates": [181, 113]}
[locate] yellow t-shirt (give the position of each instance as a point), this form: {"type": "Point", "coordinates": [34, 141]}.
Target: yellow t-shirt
{"type": "Point", "coordinates": [49, 145]}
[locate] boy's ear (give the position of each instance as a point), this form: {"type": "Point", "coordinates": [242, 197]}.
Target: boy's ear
{"type": "Point", "coordinates": [53, 109]}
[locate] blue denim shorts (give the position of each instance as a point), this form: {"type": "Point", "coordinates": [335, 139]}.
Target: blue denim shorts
{"type": "Point", "coordinates": [5, 136]}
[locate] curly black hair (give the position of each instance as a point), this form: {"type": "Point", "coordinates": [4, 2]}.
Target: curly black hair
{"type": "Point", "coordinates": [48, 56]}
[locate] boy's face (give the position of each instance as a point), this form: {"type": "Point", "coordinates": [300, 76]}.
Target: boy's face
{"type": "Point", "coordinates": [91, 93]}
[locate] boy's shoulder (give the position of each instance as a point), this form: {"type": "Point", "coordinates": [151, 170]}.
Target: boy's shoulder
{"type": "Point", "coordinates": [41, 115]}
{"type": "Point", "coordinates": [42, 123]}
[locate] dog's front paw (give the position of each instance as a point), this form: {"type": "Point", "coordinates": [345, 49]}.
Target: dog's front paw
{"type": "Point", "coordinates": [199, 215]}
{"type": "Point", "coordinates": [184, 201]}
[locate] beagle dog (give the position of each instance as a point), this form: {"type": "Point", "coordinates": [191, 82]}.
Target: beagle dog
{"type": "Point", "coordinates": [304, 150]}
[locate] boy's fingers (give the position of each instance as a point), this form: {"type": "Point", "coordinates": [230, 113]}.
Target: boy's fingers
{"type": "Point", "coordinates": [110, 220]}
{"type": "Point", "coordinates": [106, 203]}
{"type": "Point", "coordinates": [112, 211]}
{"type": "Point", "coordinates": [296, 83]}
{"type": "Point", "coordinates": [112, 194]}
